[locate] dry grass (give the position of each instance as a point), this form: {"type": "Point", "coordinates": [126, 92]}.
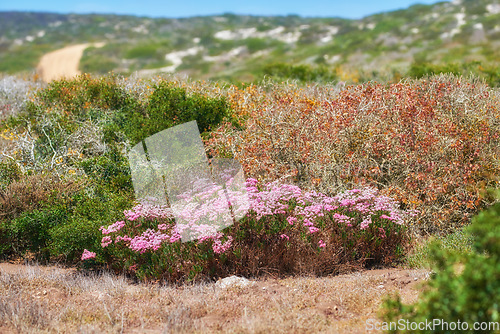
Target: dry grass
{"type": "Point", "coordinates": [48, 300]}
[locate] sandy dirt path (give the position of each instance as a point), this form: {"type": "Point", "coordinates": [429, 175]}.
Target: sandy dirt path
{"type": "Point", "coordinates": [62, 63]}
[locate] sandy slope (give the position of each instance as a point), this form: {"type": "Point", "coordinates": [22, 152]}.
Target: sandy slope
{"type": "Point", "coordinates": [63, 62]}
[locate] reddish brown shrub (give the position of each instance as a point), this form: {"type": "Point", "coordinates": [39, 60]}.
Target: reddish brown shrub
{"type": "Point", "coordinates": [433, 144]}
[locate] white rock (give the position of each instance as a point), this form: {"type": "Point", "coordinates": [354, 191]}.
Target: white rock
{"type": "Point", "coordinates": [233, 281]}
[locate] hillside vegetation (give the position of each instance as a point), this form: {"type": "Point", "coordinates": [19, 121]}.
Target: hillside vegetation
{"type": "Point", "coordinates": [245, 48]}
{"type": "Point", "coordinates": [333, 145]}
{"type": "Point", "coordinates": [359, 168]}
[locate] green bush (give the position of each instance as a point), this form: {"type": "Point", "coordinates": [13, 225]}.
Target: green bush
{"type": "Point", "coordinates": [30, 231]}
{"type": "Point", "coordinates": [169, 106]}
{"type": "Point", "coordinates": [419, 70]}
{"type": "Point", "coordinates": [143, 51]}
{"type": "Point", "coordinates": [489, 73]}
{"type": "Point", "coordinates": [78, 98]}
{"type": "Point", "coordinates": [111, 169]}
{"type": "Point", "coordinates": [47, 218]}
{"type": "Point", "coordinates": [89, 209]}
{"type": "Point", "coordinates": [283, 71]}
{"type": "Point", "coordinates": [458, 241]}
{"type": "Point", "coordinates": [98, 64]}
{"type": "Point", "coordinates": [464, 287]}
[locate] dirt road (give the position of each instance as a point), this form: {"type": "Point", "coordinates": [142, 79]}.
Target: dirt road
{"type": "Point", "coordinates": [63, 62]}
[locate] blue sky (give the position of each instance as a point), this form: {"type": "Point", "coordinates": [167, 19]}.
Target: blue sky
{"type": "Point", "coordinates": [186, 8]}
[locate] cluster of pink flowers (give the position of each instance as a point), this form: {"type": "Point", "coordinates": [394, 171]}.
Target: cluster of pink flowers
{"type": "Point", "coordinates": [148, 240]}
{"type": "Point", "coordinates": [194, 219]}
{"type": "Point", "coordinates": [106, 241]}
{"type": "Point", "coordinates": [195, 212]}
{"type": "Point", "coordinates": [87, 255]}
{"type": "Point", "coordinates": [219, 247]}
{"type": "Point", "coordinates": [125, 238]}
{"type": "Point", "coordinates": [273, 200]}
{"type": "Point", "coordinates": [362, 203]}
{"type": "Point", "coordinates": [112, 228]}
{"type": "Point", "coordinates": [149, 212]}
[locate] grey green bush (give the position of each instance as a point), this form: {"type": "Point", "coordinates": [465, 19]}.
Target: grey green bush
{"type": "Point", "coordinates": [464, 286]}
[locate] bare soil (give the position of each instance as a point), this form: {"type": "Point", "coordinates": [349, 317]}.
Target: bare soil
{"type": "Point", "coordinates": [62, 63]}
{"type": "Point", "coordinates": [51, 299]}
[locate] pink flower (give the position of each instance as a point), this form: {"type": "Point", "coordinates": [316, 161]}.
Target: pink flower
{"type": "Point", "coordinates": [124, 238]}
{"type": "Point", "coordinates": [112, 228]}
{"type": "Point", "coordinates": [219, 247]}
{"type": "Point", "coordinates": [106, 241]}
{"type": "Point", "coordinates": [148, 240]}
{"type": "Point", "coordinates": [313, 229]}
{"type": "Point", "coordinates": [284, 236]}
{"type": "Point", "coordinates": [251, 182]}
{"type": "Point", "coordinates": [308, 222]}
{"type": "Point", "coordinates": [87, 255]}
{"type": "Point", "coordinates": [291, 220]}
{"type": "Point", "coordinates": [175, 237]}
{"type": "Point", "coordinates": [162, 227]}
{"type": "Point", "coordinates": [321, 244]}
{"type": "Point", "coordinates": [365, 223]}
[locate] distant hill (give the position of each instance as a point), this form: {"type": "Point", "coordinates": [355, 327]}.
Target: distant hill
{"type": "Point", "coordinates": [240, 47]}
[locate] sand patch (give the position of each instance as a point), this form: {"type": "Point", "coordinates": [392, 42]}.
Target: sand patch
{"type": "Point", "coordinates": [63, 63]}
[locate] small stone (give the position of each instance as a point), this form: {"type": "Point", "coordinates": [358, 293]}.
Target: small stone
{"type": "Point", "coordinates": [232, 281]}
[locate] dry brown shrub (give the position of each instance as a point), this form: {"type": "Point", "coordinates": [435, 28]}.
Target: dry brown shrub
{"type": "Point", "coordinates": [33, 191]}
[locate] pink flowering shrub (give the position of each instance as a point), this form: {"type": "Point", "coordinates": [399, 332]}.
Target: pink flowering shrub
{"type": "Point", "coordinates": [286, 231]}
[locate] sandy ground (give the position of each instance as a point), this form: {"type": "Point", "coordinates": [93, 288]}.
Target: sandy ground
{"type": "Point", "coordinates": [51, 299]}
{"type": "Point", "coordinates": [62, 63]}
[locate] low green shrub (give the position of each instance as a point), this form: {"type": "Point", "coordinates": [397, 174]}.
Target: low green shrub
{"type": "Point", "coordinates": [489, 73]}
{"type": "Point", "coordinates": [168, 106]}
{"type": "Point", "coordinates": [110, 169]}
{"type": "Point", "coordinates": [464, 287]}
{"type": "Point", "coordinates": [458, 241]}
{"type": "Point", "coordinates": [46, 217]}
{"type": "Point", "coordinates": [283, 71]}
{"type": "Point", "coordinates": [419, 70]}
{"type": "Point", "coordinates": [75, 98]}
{"type": "Point", "coordinates": [89, 209]}
{"type": "Point", "coordinates": [30, 231]}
